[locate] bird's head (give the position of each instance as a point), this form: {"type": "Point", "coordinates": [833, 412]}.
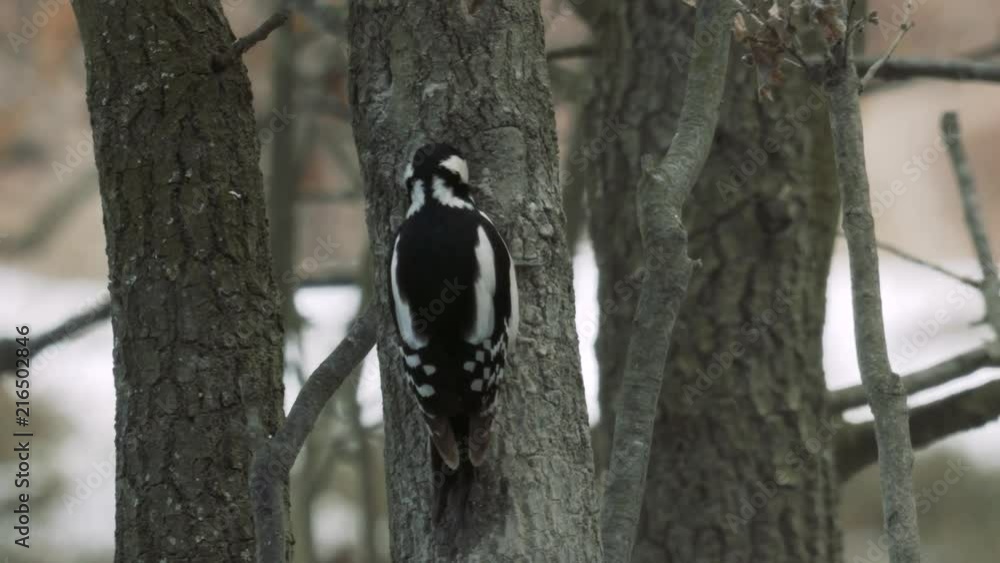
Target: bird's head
{"type": "Point", "coordinates": [440, 172]}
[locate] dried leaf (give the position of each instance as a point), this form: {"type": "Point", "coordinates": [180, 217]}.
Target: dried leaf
{"type": "Point", "coordinates": [740, 31]}
{"type": "Point", "coordinates": [827, 15]}
{"type": "Point", "coordinates": [774, 12]}
{"type": "Point", "coordinates": [767, 60]}
{"type": "Point", "coordinates": [692, 3]}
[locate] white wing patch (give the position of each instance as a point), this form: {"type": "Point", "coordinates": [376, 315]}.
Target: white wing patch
{"type": "Point", "coordinates": [515, 314]}
{"type": "Point", "coordinates": [485, 287]}
{"type": "Point", "coordinates": [404, 319]}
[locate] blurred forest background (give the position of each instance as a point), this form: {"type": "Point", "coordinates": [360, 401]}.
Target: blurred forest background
{"type": "Point", "coordinates": [53, 266]}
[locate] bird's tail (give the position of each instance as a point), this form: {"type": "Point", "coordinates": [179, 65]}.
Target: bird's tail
{"type": "Point", "coordinates": [452, 486]}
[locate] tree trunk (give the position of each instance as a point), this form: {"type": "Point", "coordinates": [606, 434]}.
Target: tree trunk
{"type": "Point", "coordinates": [198, 340]}
{"type": "Point", "coordinates": [741, 466]}
{"type": "Point", "coordinates": [424, 71]}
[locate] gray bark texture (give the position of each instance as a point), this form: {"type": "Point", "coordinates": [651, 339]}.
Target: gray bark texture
{"type": "Point", "coordinates": [424, 71]}
{"type": "Point", "coordinates": [198, 340]}
{"type": "Point", "coordinates": [741, 465]}
{"type": "Point", "coordinates": [886, 392]}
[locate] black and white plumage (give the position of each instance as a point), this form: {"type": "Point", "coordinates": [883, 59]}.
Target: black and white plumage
{"type": "Point", "coordinates": [454, 299]}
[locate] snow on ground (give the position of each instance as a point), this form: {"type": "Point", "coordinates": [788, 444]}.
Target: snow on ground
{"type": "Point", "coordinates": [927, 318]}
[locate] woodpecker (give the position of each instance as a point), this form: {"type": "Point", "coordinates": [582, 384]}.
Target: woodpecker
{"type": "Point", "coordinates": [454, 300]}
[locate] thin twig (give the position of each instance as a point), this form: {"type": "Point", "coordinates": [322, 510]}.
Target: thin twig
{"type": "Point", "coordinates": [855, 445]}
{"type": "Point", "coordinates": [886, 393]}
{"type": "Point", "coordinates": [946, 69]}
{"type": "Point", "coordinates": [973, 217]}
{"type": "Point", "coordinates": [663, 189]}
{"type": "Point", "coordinates": [68, 329]}
{"type": "Point", "coordinates": [273, 460]}
{"type": "Point", "coordinates": [571, 52]}
{"type": "Point", "coordinates": [874, 68]}
{"type": "Point", "coordinates": [896, 251]}
{"type": "Point", "coordinates": [967, 363]}
{"type": "Point", "coordinates": [745, 10]}
{"type": "Point", "coordinates": [223, 60]}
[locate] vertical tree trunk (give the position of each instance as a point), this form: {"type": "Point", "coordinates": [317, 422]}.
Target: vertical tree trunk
{"type": "Point", "coordinates": [425, 71]}
{"type": "Point", "coordinates": [197, 357]}
{"type": "Point", "coordinates": [741, 466]}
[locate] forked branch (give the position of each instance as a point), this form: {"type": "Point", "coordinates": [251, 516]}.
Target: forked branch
{"type": "Point", "coordinates": [274, 459]}
{"type": "Point", "coordinates": [663, 189]}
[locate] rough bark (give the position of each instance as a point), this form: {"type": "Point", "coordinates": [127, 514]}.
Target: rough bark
{"type": "Point", "coordinates": [425, 71]}
{"type": "Point", "coordinates": [740, 468]}
{"type": "Point", "coordinates": [197, 357]}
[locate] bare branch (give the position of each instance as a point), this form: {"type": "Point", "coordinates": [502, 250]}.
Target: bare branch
{"type": "Point", "coordinates": [896, 251]}
{"type": "Point", "coordinates": [961, 365]}
{"type": "Point", "coordinates": [973, 218]}
{"type": "Point", "coordinates": [571, 52]}
{"type": "Point", "coordinates": [955, 69]}
{"type": "Point", "coordinates": [663, 190]}
{"type": "Point", "coordinates": [855, 447]}
{"type": "Point", "coordinates": [886, 393]}
{"type": "Point", "coordinates": [880, 62]}
{"type": "Point", "coordinates": [221, 61]}
{"type": "Point", "coordinates": [274, 459]}
{"type": "Point", "coordinates": [68, 329]}
{"type": "Point", "coordinates": [987, 355]}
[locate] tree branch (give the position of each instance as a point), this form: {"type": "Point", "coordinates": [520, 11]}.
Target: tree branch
{"type": "Point", "coordinates": [955, 69]}
{"type": "Point", "coordinates": [886, 393]}
{"type": "Point", "coordinates": [663, 190]}
{"type": "Point", "coordinates": [223, 60]}
{"type": "Point", "coordinates": [881, 61]}
{"type": "Point", "coordinates": [961, 365]}
{"type": "Point", "coordinates": [930, 265]}
{"type": "Point", "coordinates": [571, 52]}
{"type": "Point", "coordinates": [973, 219]}
{"type": "Point", "coordinates": [68, 329]}
{"type": "Point", "coordinates": [855, 446]}
{"type": "Point", "coordinates": [274, 459]}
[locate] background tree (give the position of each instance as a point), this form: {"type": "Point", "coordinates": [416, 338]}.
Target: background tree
{"type": "Point", "coordinates": [744, 387]}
